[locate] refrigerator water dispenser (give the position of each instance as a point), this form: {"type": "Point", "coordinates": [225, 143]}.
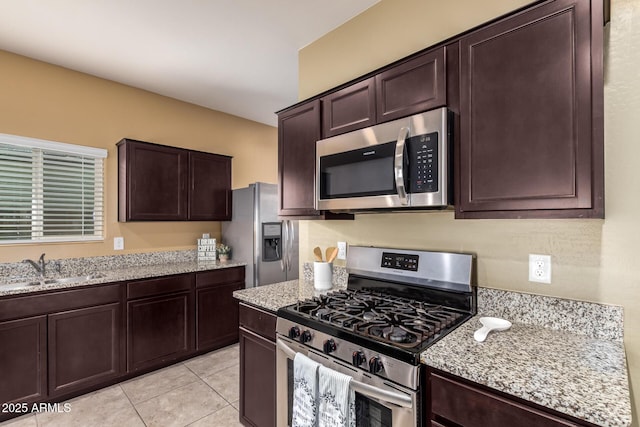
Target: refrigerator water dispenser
{"type": "Point", "coordinates": [271, 241]}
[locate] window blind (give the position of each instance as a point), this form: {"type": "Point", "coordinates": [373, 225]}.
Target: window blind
{"type": "Point", "coordinates": [50, 191]}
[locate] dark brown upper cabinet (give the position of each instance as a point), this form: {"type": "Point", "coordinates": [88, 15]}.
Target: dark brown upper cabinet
{"type": "Point", "coordinates": [209, 187]}
{"type": "Point", "coordinates": [413, 86]}
{"type": "Point", "coordinates": [531, 115]}
{"type": "Point", "coordinates": [348, 109]}
{"type": "Point", "coordinates": [162, 183]}
{"type": "Point", "coordinates": [298, 131]}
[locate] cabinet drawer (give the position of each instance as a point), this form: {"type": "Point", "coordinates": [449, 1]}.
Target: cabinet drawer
{"type": "Point", "coordinates": [474, 407]}
{"type": "Point", "coordinates": [159, 286]}
{"type": "Point", "coordinates": [219, 277]}
{"type": "Point", "coordinates": [258, 321]}
{"type": "Point", "coordinates": [50, 302]}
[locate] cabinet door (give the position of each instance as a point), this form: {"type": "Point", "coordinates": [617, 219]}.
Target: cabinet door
{"type": "Point", "coordinates": [23, 360]}
{"type": "Point", "coordinates": [160, 329]}
{"type": "Point", "coordinates": [257, 380]}
{"type": "Point", "coordinates": [217, 316]}
{"type": "Point", "coordinates": [152, 182]}
{"type": "Point", "coordinates": [528, 138]}
{"type": "Point", "coordinates": [209, 187]}
{"type": "Point", "coordinates": [411, 87]}
{"type": "Point", "coordinates": [84, 347]}
{"type": "Point", "coordinates": [298, 131]}
{"type": "Point", "coordinates": [351, 108]}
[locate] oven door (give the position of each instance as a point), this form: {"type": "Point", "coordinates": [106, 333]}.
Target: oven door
{"type": "Point", "coordinates": [379, 403]}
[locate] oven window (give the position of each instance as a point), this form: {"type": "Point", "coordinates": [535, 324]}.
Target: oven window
{"type": "Point", "coordinates": [358, 173]}
{"type": "Point", "coordinates": [370, 413]}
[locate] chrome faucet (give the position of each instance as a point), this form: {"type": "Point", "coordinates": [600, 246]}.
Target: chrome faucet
{"type": "Point", "coordinates": [39, 266]}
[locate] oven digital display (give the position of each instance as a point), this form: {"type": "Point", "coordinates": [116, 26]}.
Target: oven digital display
{"type": "Point", "coordinates": [400, 261]}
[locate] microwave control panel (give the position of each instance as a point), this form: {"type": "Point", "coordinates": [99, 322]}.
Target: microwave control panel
{"type": "Point", "coordinates": [423, 163]}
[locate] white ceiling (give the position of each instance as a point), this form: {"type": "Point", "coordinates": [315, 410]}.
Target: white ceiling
{"type": "Point", "coordinates": [236, 56]}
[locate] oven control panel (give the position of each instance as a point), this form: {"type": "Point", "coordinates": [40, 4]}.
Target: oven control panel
{"type": "Point", "coordinates": [396, 261]}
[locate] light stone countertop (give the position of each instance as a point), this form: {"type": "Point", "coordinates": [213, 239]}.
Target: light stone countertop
{"type": "Point", "coordinates": [569, 371]}
{"type": "Point", "coordinates": [272, 297]}
{"type": "Point", "coordinates": [113, 274]}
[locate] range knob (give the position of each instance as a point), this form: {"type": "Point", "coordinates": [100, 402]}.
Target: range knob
{"type": "Point", "coordinates": [305, 336]}
{"type": "Point", "coordinates": [329, 346]}
{"type": "Point", "coordinates": [294, 332]}
{"type": "Point", "coordinates": [358, 358]}
{"type": "Point", "coordinates": [375, 365]}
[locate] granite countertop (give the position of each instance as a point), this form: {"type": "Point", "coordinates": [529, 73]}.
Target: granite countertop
{"type": "Point", "coordinates": [272, 297]}
{"type": "Point", "coordinates": [571, 373]}
{"type": "Point", "coordinates": [110, 274]}
{"type": "Point", "coordinates": [568, 356]}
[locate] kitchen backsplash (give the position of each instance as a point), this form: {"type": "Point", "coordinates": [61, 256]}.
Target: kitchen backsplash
{"type": "Point", "coordinates": [81, 266]}
{"type": "Point", "coordinates": [600, 321]}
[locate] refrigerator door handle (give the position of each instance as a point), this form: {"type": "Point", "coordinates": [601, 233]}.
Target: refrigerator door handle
{"type": "Point", "coordinates": [291, 237]}
{"type": "Point", "coordinates": [283, 257]}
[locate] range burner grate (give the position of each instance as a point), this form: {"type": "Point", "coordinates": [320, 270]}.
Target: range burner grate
{"type": "Point", "coordinates": [393, 320]}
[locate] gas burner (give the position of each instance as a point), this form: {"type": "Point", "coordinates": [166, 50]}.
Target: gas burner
{"type": "Point", "coordinates": [323, 313]}
{"type": "Point", "coordinates": [369, 315]}
{"type": "Point", "coordinates": [396, 334]}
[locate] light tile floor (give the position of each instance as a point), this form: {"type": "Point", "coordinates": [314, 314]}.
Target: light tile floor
{"type": "Point", "coordinates": [199, 392]}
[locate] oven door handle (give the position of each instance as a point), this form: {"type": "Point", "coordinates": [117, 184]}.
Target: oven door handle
{"type": "Point", "coordinates": [398, 166]}
{"type": "Point", "coordinates": [365, 389]}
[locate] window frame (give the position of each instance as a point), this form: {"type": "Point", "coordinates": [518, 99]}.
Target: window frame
{"type": "Point", "coordinates": [38, 195]}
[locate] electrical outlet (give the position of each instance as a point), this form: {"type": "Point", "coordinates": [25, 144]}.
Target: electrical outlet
{"type": "Point", "coordinates": [118, 243]}
{"type": "Point", "coordinates": [540, 268]}
{"type": "Point", "coordinates": [342, 250]}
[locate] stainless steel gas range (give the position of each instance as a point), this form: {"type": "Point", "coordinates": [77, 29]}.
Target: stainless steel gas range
{"type": "Point", "coordinates": [397, 303]}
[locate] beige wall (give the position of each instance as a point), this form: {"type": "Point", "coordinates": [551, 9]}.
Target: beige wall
{"type": "Point", "coordinates": [593, 260]}
{"type": "Point", "coordinates": [44, 101]}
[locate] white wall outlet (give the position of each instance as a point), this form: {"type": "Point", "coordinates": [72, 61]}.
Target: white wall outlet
{"type": "Point", "coordinates": [540, 268]}
{"type": "Point", "coordinates": [342, 250]}
{"type": "Point", "coordinates": [118, 243]}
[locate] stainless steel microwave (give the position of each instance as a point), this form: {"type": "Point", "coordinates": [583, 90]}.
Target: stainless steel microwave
{"type": "Point", "coordinates": [399, 164]}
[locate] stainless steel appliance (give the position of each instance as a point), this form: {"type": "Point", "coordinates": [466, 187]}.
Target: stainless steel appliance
{"type": "Point", "coordinates": [397, 303]}
{"type": "Point", "coordinates": [256, 235]}
{"type": "Point", "coordinates": [404, 163]}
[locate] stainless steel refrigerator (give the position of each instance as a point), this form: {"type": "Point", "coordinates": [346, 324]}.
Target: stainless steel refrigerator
{"type": "Point", "coordinates": [257, 236]}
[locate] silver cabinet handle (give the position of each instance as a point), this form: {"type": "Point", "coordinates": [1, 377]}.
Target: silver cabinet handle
{"type": "Point", "coordinates": [398, 165]}
{"type": "Point", "coordinates": [362, 388]}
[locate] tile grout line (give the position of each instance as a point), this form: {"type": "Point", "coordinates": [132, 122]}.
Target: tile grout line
{"type": "Point", "coordinates": [131, 403]}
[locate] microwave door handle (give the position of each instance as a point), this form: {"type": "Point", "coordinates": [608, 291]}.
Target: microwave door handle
{"type": "Point", "coordinates": [398, 399]}
{"type": "Point", "coordinates": [398, 166]}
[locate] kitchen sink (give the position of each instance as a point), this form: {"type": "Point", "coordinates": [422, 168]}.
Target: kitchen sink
{"type": "Point", "coordinates": [52, 281]}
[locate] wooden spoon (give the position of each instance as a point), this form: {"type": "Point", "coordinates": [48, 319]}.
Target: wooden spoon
{"type": "Point", "coordinates": [332, 253]}
{"type": "Point", "coordinates": [318, 253]}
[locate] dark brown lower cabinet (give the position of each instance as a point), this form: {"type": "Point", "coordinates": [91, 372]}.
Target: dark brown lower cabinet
{"type": "Point", "coordinates": [460, 403]}
{"type": "Point", "coordinates": [84, 347]}
{"type": "Point", "coordinates": [257, 367]}
{"type": "Point", "coordinates": [160, 330]}
{"type": "Point", "coordinates": [55, 345]}
{"type": "Point", "coordinates": [216, 309]}
{"type": "Point", "coordinates": [23, 360]}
